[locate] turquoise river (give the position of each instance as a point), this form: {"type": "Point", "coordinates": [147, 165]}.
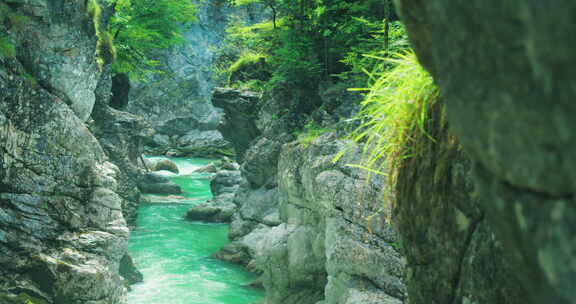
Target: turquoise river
{"type": "Point", "coordinates": [174, 254]}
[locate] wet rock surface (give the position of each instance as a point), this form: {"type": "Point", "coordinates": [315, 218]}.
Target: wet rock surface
{"type": "Point", "coordinates": [517, 85]}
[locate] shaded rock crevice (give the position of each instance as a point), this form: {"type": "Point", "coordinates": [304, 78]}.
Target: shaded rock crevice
{"type": "Point", "coordinates": [450, 246]}
{"type": "Point", "coordinates": [514, 79]}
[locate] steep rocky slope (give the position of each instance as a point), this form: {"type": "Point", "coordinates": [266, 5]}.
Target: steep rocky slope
{"type": "Point", "coordinates": [315, 230]}
{"type": "Point", "coordinates": [121, 135]}
{"type": "Point", "coordinates": [505, 69]}
{"type": "Point", "coordinates": [62, 231]}
{"type": "Point", "coordinates": [452, 253]}
{"type": "Point", "coordinates": [177, 103]}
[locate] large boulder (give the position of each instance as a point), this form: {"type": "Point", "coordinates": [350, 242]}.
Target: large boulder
{"type": "Point", "coordinates": [158, 184]}
{"type": "Point", "coordinates": [203, 143]}
{"type": "Point", "coordinates": [221, 207]}
{"type": "Point", "coordinates": [509, 88]}
{"type": "Point", "coordinates": [164, 165]}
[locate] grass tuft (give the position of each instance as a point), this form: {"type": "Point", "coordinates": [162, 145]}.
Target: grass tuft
{"type": "Point", "coordinates": [394, 114]}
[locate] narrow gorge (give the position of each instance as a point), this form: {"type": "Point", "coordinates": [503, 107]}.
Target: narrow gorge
{"type": "Point", "coordinates": [287, 152]}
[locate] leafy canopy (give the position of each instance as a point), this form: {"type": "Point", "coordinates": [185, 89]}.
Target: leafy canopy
{"type": "Point", "coordinates": [140, 27]}
{"type": "Point", "coordinates": [307, 41]}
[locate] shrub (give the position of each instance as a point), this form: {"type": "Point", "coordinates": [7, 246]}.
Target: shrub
{"type": "Point", "coordinates": [249, 66]}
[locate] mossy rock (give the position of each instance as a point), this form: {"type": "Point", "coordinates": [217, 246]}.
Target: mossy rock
{"type": "Point", "coordinates": [22, 298]}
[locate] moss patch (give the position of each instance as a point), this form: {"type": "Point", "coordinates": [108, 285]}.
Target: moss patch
{"type": "Point", "coordinates": [105, 49]}
{"type": "Point", "coordinates": [22, 298]}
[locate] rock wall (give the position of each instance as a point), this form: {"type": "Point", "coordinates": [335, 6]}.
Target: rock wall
{"type": "Point", "coordinates": [453, 255]}
{"type": "Point", "coordinates": [177, 104]}
{"type": "Point", "coordinates": [504, 68]}
{"type": "Point", "coordinates": [62, 229]}
{"type": "Point", "coordinates": [120, 134]}
{"type": "Point", "coordinates": [338, 242]}
{"type": "Point", "coordinates": [315, 230]}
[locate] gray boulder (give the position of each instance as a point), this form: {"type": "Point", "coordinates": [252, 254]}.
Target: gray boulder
{"type": "Point", "coordinates": [203, 143]}
{"type": "Point", "coordinates": [158, 184]}
{"type": "Point", "coordinates": [221, 207]}
{"type": "Point", "coordinates": [164, 164]}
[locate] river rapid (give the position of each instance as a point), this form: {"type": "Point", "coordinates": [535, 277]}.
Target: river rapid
{"type": "Point", "coordinates": [174, 254]}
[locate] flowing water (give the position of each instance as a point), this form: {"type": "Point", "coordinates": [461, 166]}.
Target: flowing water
{"type": "Point", "coordinates": [174, 254]}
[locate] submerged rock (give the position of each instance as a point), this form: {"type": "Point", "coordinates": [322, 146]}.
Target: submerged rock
{"type": "Point", "coordinates": [128, 270]}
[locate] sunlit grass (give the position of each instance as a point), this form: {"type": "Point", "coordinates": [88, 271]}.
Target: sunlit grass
{"type": "Point", "coordinates": [393, 115]}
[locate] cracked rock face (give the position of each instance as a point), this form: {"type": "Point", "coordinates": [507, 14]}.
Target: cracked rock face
{"type": "Point", "coordinates": [505, 70]}
{"type": "Point", "coordinates": [452, 252]}
{"type": "Point", "coordinates": [62, 231]}
{"type": "Point", "coordinates": [60, 56]}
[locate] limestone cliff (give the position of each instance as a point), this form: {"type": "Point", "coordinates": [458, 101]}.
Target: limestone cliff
{"type": "Point", "coordinates": [62, 231]}
{"type": "Point", "coordinates": [177, 102]}
{"type": "Point", "coordinates": [505, 70]}
{"type": "Point", "coordinates": [315, 230]}
{"type": "Point", "coordinates": [452, 253]}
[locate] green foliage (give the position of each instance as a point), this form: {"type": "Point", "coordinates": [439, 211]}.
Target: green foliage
{"type": "Point", "coordinates": [363, 58]}
{"type": "Point", "coordinates": [248, 64]}
{"type": "Point", "coordinates": [307, 41]}
{"type": "Point", "coordinates": [10, 20]}
{"type": "Point", "coordinates": [105, 49]}
{"type": "Point", "coordinates": [310, 132]}
{"type": "Point", "coordinates": [394, 114]}
{"type": "Point", "coordinates": [7, 48]}
{"type": "Point", "coordinates": [140, 27]}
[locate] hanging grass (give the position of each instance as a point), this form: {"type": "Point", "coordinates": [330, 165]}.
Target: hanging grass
{"type": "Point", "coordinates": [393, 115]}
